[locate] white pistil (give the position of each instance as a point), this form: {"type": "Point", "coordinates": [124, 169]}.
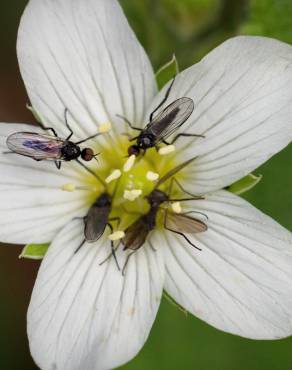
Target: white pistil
{"type": "Point", "coordinates": [129, 163]}
{"type": "Point", "coordinates": [166, 150]}
{"type": "Point", "coordinates": [152, 176]}
{"type": "Point", "coordinates": [113, 176]}
{"type": "Point", "coordinates": [117, 235]}
{"type": "Point", "coordinates": [132, 194]}
{"type": "Point", "coordinates": [176, 207]}
{"type": "Point", "coordinates": [70, 188]}
{"type": "Point", "coordinates": [105, 127]}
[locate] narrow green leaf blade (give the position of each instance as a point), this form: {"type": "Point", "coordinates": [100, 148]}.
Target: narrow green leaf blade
{"type": "Point", "coordinates": [34, 251]}
{"type": "Point", "coordinates": [167, 72]}
{"type": "Point", "coordinates": [245, 184]}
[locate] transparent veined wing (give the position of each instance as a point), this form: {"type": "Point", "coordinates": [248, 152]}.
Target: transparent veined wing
{"type": "Point", "coordinates": [37, 146]}
{"type": "Point", "coordinates": [184, 223]}
{"type": "Point", "coordinates": [170, 119]}
{"type": "Point", "coordinates": [136, 234]}
{"type": "Point", "coordinates": [95, 223]}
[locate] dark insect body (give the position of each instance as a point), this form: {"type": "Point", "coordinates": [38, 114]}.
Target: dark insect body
{"type": "Point", "coordinates": [178, 223]}
{"type": "Point", "coordinates": [50, 147]}
{"type": "Point", "coordinates": [161, 127]}
{"type": "Point", "coordinates": [96, 220]}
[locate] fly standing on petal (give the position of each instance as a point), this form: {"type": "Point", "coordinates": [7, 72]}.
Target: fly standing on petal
{"type": "Point", "coordinates": [46, 147]}
{"type": "Point", "coordinates": [87, 315]}
{"type": "Point", "coordinates": [161, 127]}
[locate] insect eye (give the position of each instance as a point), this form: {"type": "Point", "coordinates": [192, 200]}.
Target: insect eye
{"type": "Point", "coordinates": [133, 150]}
{"type": "Point", "coordinates": [87, 154]}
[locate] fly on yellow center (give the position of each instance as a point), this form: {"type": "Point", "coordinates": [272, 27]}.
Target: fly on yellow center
{"type": "Point", "coordinates": [136, 177]}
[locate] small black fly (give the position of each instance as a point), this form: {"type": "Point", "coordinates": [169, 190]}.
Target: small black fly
{"type": "Point", "coordinates": [163, 125]}
{"type": "Point", "coordinates": [50, 147]}
{"type": "Point", "coordinates": [96, 220]}
{"type": "Point", "coordinates": [137, 233]}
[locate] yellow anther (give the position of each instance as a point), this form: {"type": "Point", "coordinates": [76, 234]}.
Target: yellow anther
{"type": "Point", "coordinates": [132, 194]}
{"type": "Point", "coordinates": [176, 207]}
{"type": "Point", "coordinates": [113, 176]}
{"type": "Point", "coordinates": [166, 150]}
{"type": "Point", "coordinates": [129, 163]}
{"type": "Point", "coordinates": [69, 187]}
{"type": "Point", "coordinates": [152, 176]}
{"type": "Point", "coordinates": [105, 127]}
{"type": "Point", "coordinates": [117, 235]}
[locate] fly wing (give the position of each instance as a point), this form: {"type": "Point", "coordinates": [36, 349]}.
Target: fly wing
{"type": "Point", "coordinates": [136, 234]}
{"type": "Point", "coordinates": [95, 223]}
{"type": "Point", "coordinates": [170, 119]}
{"type": "Point", "coordinates": [183, 223]}
{"type": "Point", "coordinates": [37, 146]}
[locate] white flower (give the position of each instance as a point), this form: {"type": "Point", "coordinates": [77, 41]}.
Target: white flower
{"type": "Point", "coordinates": [82, 55]}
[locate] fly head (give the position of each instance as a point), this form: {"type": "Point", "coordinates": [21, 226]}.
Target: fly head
{"type": "Point", "coordinates": [87, 154]}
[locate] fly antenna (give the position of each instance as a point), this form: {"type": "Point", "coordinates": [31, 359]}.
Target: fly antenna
{"type": "Point", "coordinates": [174, 171]}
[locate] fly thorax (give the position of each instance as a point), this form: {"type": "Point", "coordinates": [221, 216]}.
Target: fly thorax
{"type": "Point", "coordinates": [156, 198]}
{"type": "Point", "coordinates": [103, 201]}
{"type": "Point", "coordinates": [145, 141]}
{"type": "Point", "coordinates": [70, 151]}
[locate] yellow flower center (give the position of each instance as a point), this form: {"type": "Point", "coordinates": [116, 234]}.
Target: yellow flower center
{"type": "Point", "coordinates": [127, 179]}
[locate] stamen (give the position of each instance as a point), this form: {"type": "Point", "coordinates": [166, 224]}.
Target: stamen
{"type": "Point", "coordinates": [105, 127]}
{"type": "Point", "coordinates": [117, 235]}
{"type": "Point", "coordinates": [166, 150]}
{"type": "Point", "coordinates": [152, 176]}
{"type": "Point", "coordinates": [132, 194]}
{"type": "Point", "coordinates": [113, 176]}
{"type": "Point", "coordinates": [129, 163]}
{"type": "Point", "coordinates": [176, 207]}
{"type": "Point", "coordinates": [71, 188]}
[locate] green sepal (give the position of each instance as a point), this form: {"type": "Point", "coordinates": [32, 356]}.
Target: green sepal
{"type": "Point", "coordinates": [34, 251]}
{"type": "Point", "coordinates": [167, 72]}
{"type": "Point", "coordinates": [245, 184]}
{"type": "Point", "coordinates": [172, 301]}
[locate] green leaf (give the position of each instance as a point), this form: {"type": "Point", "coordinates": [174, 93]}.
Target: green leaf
{"type": "Point", "coordinates": [34, 251]}
{"type": "Point", "coordinates": [167, 72]}
{"type": "Point", "coordinates": [172, 301]}
{"type": "Point", "coordinates": [245, 184]}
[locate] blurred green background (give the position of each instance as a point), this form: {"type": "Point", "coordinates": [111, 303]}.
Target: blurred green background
{"type": "Point", "coordinates": [188, 28]}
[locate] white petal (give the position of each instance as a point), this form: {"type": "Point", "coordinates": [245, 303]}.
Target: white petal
{"type": "Point", "coordinates": [83, 56]}
{"type": "Point", "coordinates": [86, 316]}
{"type": "Point", "coordinates": [241, 281]}
{"type": "Point", "coordinates": [32, 205]}
{"type": "Point", "coordinates": [242, 92]}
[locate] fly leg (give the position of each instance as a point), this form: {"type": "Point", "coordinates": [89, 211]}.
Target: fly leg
{"type": "Point", "coordinates": [127, 261]}
{"type": "Point", "coordinates": [178, 233]}
{"type": "Point", "coordinates": [194, 197]}
{"type": "Point", "coordinates": [129, 123]}
{"type": "Point", "coordinates": [185, 135]}
{"type": "Point", "coordinates": [197, 212]}
{"type": "Point", "coordinates": [49, 129]}
{"type": "Point", "coordinates": [151, 246]}
{"type": "Point", "coordinates": [113, 252]}
{"type": "Point", "coordinates": [163, 101]}
{"type": "Point", "coordinates": [84, 240]}
{"type": "Point", "coordinates": [113, 249]}
{"type": "Point", "coordinates": [58, 164]}
{"type": "Point", "coordinates": [67, 124]}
